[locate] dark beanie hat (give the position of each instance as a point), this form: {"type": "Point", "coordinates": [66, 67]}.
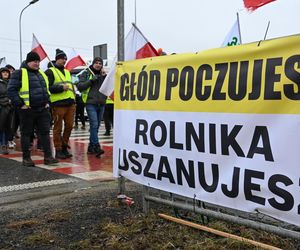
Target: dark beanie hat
{"type": "Point", "coordinates": [10, 67]}
{"type": "Point", "coordinates": [97, 59]}
{"type": "Point", "coordinates": [32, 56]}
{"type": "Point", "coordinates": [60, 54]}
{"type": "Point", "coordinates": [4, 69]}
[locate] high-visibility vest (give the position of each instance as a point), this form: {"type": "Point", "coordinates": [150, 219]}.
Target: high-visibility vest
{"type": "Point", "coordinates": [24, 90]}
{"type": "Point", "coordinates": [66, 79]}
{"type": "Point", "coordinates": [86, 92]}
{"type": "Point", "coordinates": [109, 100]}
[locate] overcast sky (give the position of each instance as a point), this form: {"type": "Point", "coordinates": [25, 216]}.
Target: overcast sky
{"type": "Point", "coordinates": [174, 25]}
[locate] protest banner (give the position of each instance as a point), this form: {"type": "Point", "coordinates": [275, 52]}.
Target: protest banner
{"type": "Point", "coordinates": [221, 126]}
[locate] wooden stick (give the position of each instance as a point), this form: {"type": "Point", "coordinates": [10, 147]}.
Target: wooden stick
{"type": "Point", "coordinates": [217, 232]}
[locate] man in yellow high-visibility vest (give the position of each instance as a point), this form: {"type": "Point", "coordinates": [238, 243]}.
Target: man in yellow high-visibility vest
{"type": "Point", "coordinates": [28, 91]}
{"type": "Point", "coordinates": [63, 104]}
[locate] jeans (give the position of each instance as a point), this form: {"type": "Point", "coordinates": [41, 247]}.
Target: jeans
{"type": "Point", "coordinates": [3, 138]}
{"type": "Point", "coordinates": [95, 114]}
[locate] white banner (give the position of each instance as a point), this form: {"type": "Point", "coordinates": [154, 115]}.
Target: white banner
{"type": "Point", "coordinates": [231, 160]}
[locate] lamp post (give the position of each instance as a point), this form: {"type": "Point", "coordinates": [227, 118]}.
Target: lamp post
{"type": "Point", "coordinates": [20, 30]}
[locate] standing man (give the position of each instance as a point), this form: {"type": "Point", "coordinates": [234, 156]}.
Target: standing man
{"type": "Point", "coordinates": [28, 91]}
{"type": "Point", "coordinates": [63, 104]}
{"type": "Point", "coordinates": [89, 85]}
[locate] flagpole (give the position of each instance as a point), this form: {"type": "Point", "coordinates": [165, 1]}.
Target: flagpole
{"type": "Point", "coordinates": [267, 30]}
{"type": "Point", "coordinates": [238, 20]}
{"type": "Point", "coordinates": [134, 25]}
{"type": "Point", "coordinates": [135, 11]}
{"type": "Point", "coordinates": [265, 36]}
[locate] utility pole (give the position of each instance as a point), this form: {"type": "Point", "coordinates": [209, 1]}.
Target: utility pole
{"type": "Point", "coordinates": [120, 30]}
{"type": "Point", "coordinates": [120, 7]}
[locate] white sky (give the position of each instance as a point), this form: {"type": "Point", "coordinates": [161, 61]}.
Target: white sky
{"type": "Point", "coordinates": [174, 25]}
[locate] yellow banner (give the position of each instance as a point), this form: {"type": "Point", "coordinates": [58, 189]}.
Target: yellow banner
{"type": "Point", "coordinates": [248, 78]}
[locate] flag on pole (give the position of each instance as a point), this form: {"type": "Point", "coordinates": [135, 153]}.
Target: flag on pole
{"type": "Point", "coordinates": [252, 5]}
{"type": "Point", "coordinates": [2, 62]}
{"type": "Point", "coordinates": [136, 46]}
{"type": "Point", "coordinates": [74, 59]}
{"type": "Point", "coordinates": [37, 47]}
{"type": "Point", "coordinates": [234, 36]}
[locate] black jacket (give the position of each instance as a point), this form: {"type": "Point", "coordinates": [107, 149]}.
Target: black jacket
{"type": "Point", "coordinates": [94, 96]}
{"type": "Point", "coordinates": [38, 94]}
{"type": "Point", "coordinates": [4, 100]}
{"type": "Point", "coordinates": [58, 88]}
{"type": "Point", "coordinates": [5, 108]}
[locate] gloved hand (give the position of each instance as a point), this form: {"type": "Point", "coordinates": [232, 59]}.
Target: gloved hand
{"type": "Point", "coordinates": [95, 79]}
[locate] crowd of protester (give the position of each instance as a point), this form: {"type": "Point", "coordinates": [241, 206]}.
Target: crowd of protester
{"type": "Point", "coordinates": [34, 102]}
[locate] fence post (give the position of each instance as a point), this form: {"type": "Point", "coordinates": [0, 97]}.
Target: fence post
{"type": "Point", "coordinates": [145, 201]}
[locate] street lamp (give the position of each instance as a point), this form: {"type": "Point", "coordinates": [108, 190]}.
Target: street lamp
{"type": "Point", "coordinates": [20, 31]}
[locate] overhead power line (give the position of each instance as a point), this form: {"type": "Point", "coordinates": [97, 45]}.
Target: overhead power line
{"type": "Point", "coordinates": [46, 44]}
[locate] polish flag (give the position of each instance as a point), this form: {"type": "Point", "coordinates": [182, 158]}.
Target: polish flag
{"type": "Point", "coordinates": [137, 46]}
{"type": "Point", "coordinates": [37, 47]}
{"type": "Point", "coordinates": [74, 60]}
{"type": "Point", "coordinates": [252, 5]}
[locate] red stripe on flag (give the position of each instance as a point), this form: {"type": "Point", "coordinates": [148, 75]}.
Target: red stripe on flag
{"type": "Point", "coordinates": [75, 62]}
{"type": "Point", "coordinates": [41, 52]}
{"type": "Point", "coordinates": [255, 4]}
{"type": "Point", "coordinates": [146, 51]}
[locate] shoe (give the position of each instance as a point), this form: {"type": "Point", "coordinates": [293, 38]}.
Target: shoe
{"type": "Point", "coordinates": [83, 127]}
{"type": "Point", "coordinates": [27, 162]}
{"type": "Point", "coordinates": [4, 150]}
{"type": "Point", "coordinates": [107, 133]}
{"type": "Point", "coordinates": [50, 160]}
{"type": "Point", "coordinates": [101, 152]}
{"type": "Point", "coordinates": [98, 150]}
{"type": "Point", "coordinates": [91, 149]}
{"type": "Point", "coordinates": [11, 144]}
{"type": "Point", "coordinates": [60, 155]}
{"type": "Point", "coordinates": [66, 152]}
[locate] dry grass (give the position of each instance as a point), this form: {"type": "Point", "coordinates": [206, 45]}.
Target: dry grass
{"type": "Point", "coordinates": [58, 216]}
{"type": "Point", "coordinates": [130, 229]}
{"type": "Point", "coordinates": [139, 232]}
{"type": "Point", "coordinates": [23, 224]}
{"type": "Point", "coordinates": [44, 236]}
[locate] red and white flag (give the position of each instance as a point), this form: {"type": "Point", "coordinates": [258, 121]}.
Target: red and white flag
{"type": "Point", "coordinates": [252, 5]}
{"type": "Point", "coordinates": [37, 47]}
{"type": "Point", "coordinates": [74, 59]}
{"type": "Point", "coordinates": [137, 46]}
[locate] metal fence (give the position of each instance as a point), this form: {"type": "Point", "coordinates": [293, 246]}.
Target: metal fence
{"type": "Point", "coordinates": [254, 220]}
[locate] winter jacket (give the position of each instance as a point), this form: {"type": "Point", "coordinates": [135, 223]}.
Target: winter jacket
{"type": "Point", "coordinates": [4, 100]}
{"type": "Point", "coordinates": [6, 110]}
{"type": "Point", "coordinates": [94, 96]}
{"type": "Point", "coordinates": [38, 94]}
{"type": "Point", "coordinates": [58, 88]}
